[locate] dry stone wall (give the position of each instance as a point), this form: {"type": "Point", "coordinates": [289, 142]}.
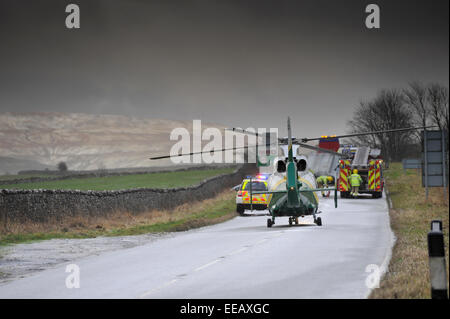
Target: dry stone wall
{"type": "Point", "coordinates": [44, 205]}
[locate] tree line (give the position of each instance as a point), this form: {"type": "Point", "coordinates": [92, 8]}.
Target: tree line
{"type": "Point", "coordinates": [416, 105]}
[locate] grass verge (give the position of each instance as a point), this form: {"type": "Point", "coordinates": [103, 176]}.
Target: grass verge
{"type": "Point", "coordinates": [408, 273]}
{"type": "Point", "coordinates": [184, 217]}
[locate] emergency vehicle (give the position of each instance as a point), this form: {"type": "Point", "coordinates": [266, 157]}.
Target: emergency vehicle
{"type": "Point", "coordinates": [244, 200]}
{"type": "Point", "coordinates": [368, 162]}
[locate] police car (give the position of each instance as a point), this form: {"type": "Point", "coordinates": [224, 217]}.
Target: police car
{"type": "Point", "coordinates": [260, 201]}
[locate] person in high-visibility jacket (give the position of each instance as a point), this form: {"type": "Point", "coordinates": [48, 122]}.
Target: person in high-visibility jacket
{"type": "Point", "coordinates": [322, 182]}
{"type": "Point", "coordinates": [355, 182]}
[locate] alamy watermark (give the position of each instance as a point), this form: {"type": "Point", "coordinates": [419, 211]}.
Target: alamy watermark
{"type": "Point", "coordinates": [73, 279]}
{"type": "Point", "coordinates": [222, 146]}
{"type": "Point", "coordinates": [372, 20]}
{"type": "Point", "coordinates": [374, 277]}
{"type": "Point", "coordinates": [73, 17]}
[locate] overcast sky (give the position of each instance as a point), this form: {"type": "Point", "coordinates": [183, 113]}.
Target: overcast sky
{"type": "Point", "coordinates": [235, 62]}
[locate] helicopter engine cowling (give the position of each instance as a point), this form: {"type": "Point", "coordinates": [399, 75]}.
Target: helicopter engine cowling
{"type": "Point", "coordinates": [302, 164]}
{"type": "Point", "coordinates": [281, 166]}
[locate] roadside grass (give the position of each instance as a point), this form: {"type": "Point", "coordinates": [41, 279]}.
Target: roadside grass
{"type": "Point", "coordinates": [181, 218]}
{"type": "Point", "coordinates": [408, 274]}
{"type": "Point", "coordinates": [150, 180]}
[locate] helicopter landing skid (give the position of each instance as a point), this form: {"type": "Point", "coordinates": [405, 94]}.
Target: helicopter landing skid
{"type": "Point", "coordinates": [270, 221]}
{"type": "Point", "coordinates": [317, 220]}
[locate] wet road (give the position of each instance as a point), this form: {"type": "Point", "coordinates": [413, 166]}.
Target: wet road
{"type": "Point", "coordinates": [240, 258]}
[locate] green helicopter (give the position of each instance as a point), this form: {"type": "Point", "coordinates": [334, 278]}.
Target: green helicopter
{"type": "Point", "coordinates": [294, 197]}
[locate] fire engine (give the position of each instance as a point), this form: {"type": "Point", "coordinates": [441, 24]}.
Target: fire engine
{"type": "Point", "coordinates": [368, 162]}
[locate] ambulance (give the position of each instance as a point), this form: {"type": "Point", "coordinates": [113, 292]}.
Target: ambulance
{"type": "Point", "coordinates": [256, 202]}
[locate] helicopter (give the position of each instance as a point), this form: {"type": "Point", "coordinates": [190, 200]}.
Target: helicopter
{"type": "Point", "coordinates": [292, 192]}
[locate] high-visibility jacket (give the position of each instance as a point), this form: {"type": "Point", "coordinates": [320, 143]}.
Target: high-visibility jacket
{"type": "Point", "coordinates": [322, 180]}
{"type": "Point", "coordinates": [355, 180]}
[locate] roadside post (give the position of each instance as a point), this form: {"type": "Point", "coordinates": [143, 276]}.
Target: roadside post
{"type": "Point", "coordinates": [436, 254]}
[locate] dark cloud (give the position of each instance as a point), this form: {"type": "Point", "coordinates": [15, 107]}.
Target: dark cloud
{"type": "Point", "coordinates": [237, 62]}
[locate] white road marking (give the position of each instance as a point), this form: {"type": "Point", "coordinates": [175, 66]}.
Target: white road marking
{"type": "Point", "coordinates": [210, 264]}
{"type": "Point", "coordinates": [213, 262]}
{"type": "Point", "coordinates": [207, 265]}
{"type": "Point", "coordinates": [158, 288]}
{"type": "Point", "coordinates": [237, 251]}
{"type": "Point", "coordinates": [278, 235]}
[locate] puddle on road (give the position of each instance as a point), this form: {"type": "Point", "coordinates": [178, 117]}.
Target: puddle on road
{"type": "Point", "coordinates": [20, 260]}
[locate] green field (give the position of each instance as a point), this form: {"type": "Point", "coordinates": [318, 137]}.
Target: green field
{"type": "Point", "coordinates": [24, 176]}
{"type": "Point", "coordinates": [150, 180]}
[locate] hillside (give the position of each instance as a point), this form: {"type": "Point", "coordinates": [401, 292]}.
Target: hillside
{"type": "Point", "coordinates": [83, 141]}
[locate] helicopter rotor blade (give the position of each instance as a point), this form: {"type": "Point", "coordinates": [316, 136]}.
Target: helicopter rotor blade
{"type": "Point", "coordinates": [319, 149]}
{"type": "Point", "coordinates": [289, 131]}
{"type": "Point", "coordinates": [202, 152]}
{"type": "Point", "coordinates": [239, 130]}
{"type": "Point", "coordinates": [304, 140]}
{"type": "Point", "coordinates": [290, 155]}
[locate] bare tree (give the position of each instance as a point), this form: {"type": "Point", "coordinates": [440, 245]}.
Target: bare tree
{"type": "Point", "coordinates": [364, 119]}
{"type": "Point", "coordinates": [438, 100]}
{"type": "Point", "coordinates": [416, 98]}
{"type": "Point", "coordinates": [387, 111]}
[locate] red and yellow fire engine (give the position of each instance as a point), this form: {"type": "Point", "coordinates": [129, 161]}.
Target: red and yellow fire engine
{"type": "Point", "coordinates": [370, 167]}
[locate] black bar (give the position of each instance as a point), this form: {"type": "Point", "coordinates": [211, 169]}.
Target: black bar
{"type": "Point", "coordinates": [436, 244]}
{"type": "Point", "coordinates": [439, 294]}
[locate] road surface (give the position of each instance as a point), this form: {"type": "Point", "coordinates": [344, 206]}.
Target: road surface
{"type": "Point", "coordinates": [240, 258]}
